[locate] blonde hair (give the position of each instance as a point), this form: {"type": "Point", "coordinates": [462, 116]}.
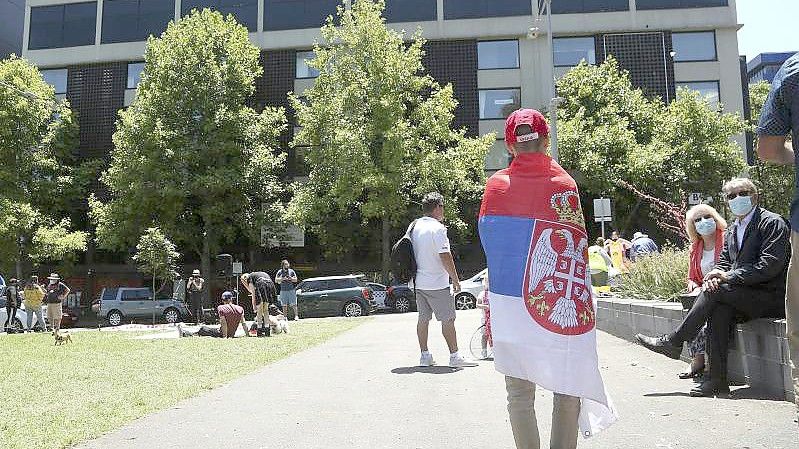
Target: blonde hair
{"type": "Point", "coordinates": [701, 209]}
{"type": "Point", "coordinates": [736, 183]}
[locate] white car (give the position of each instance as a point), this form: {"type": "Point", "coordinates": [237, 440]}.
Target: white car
{"type": "Point", "coordinates": [470, 290]}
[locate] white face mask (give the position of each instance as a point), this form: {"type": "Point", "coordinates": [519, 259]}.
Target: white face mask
{"type": "Point", "coordinates": [706, 226]}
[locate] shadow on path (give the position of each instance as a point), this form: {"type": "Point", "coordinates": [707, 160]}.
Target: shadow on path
{"type": "Point", "coordinates": [425, 370]}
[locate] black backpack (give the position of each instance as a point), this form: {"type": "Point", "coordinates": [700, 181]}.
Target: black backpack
{"type": "Point", "coordinates": [403, 261]}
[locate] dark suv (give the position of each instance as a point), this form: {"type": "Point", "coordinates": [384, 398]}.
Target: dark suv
{"type": "Point", "coordinates": [333, 296]}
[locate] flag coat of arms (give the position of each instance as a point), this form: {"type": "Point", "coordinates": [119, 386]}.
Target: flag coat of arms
{"type": "Point", "coordinates": [542, 311]}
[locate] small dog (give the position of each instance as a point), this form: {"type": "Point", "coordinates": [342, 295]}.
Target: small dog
{"type": "Point", "coordinates": [62, 338]}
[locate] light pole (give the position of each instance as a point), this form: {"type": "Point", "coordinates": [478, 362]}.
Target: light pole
{"type": "Point", "coordinates": [554, 100]}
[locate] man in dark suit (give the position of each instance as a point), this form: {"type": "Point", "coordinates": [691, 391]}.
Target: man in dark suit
{"type": "Point", "coordinates": [747, 283]}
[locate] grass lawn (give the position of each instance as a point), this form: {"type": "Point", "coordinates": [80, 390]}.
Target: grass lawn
{"type": "Point", "coordinates": [58, 396]}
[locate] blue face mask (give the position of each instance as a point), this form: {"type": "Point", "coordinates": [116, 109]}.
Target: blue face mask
{"type": "Point", "coordinates": [706, 226]}
{"type": "Point", "coordinates": [741, 205]}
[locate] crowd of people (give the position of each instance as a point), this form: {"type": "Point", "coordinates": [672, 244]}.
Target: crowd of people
{"type": "Point", "coordinates": [31, 295]}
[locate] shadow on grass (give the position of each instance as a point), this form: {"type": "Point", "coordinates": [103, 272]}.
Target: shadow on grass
{"type": "Point", "coordinates": [425, 370]}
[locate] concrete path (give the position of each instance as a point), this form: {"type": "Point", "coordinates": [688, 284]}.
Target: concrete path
{"type": "Point", "coordinates": [362, 391]}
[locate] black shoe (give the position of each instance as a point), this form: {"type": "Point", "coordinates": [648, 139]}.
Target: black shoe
{"type": "Point", "coordinates": [710, 388]}
{"type": "Point", "coordinates": [661, 345]}
{"type": "Point", "coordinates": [693, 374]}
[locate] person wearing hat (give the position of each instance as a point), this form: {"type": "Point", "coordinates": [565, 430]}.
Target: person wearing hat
{"type": "Point", "coordinates": [55, 293]}
{"type": "Point", "coordinates": [33, 295]}
{"type": "Point", "coordinates": [231, 316]}
{"type": "Point", "coordinates": [12, 302]}
{"type": "Point", "coordinates": [194, 288]}
{"type": "Point", "coordinates": [642, 246]}
{"type": "Point", "coordinates": [543, 323]}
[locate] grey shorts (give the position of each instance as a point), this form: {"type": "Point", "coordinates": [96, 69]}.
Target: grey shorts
{"type": "Point", "coordinates": [439, 302]}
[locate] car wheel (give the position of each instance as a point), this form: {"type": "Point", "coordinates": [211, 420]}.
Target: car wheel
{"type": "Point", "coordinates": [402, 305]}
{"type": "Point", "coordinates": [353, 309]}
{"type": "Point", "coordinates": [115, 317]}
{"type": "Point", "coordinates": [171, 315]}
{"type": "Point", "coordinates": [465, 301]}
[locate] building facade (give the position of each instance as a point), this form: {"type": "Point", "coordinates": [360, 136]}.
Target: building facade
{"type": "Point", "coordinates": [764, 67]}
{"type": "Point", "coordinates": [12, 15]}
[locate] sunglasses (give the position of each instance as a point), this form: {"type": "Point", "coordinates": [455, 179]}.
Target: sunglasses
{"type": "Point", "coordinates": [703, 217]}
{"type": "Point", "coordinates": [732, 196]}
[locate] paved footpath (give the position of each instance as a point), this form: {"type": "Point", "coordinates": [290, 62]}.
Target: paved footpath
{"type": "Point", "coordinates": [362, 390]}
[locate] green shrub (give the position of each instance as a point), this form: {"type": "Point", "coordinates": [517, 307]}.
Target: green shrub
{"type": "Point", "coordinates": [659, 277]}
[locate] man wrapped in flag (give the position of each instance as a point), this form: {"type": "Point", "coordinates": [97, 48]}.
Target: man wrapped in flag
{"type": "Point", "coordinates": [542, 313]}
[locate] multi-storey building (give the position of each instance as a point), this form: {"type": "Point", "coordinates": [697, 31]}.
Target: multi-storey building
{"type": "Point", "coordinates": [765, 66]}
{"type": "Point", "coordinates": [92, 51]}
{"type": "Point", "coordinates": [12, 13]}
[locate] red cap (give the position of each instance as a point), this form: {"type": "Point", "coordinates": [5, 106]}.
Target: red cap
{"type": "Point", "coordinates": [530, 117]}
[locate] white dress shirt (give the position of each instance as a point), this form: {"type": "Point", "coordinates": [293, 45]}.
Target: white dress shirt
{"type": "Point", "coordinates": [741, 225]}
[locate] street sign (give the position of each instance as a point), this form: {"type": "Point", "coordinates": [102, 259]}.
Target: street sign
{"type": "Point", "coordinates": [602, 212]}
{"type": "Point", "coordinates": [694, 198]}
{"type": "Point", "coordinates": [290, 237]}
{"type": "Point", "coordinates": [238, 268]}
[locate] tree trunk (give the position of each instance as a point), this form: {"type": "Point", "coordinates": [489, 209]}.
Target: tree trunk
{"type": "Point", "coordinates": [20, 256]}
{"type": "Point", "coordinates": [386, 250]}
{"type": "Point", "coordinates": [153, 300]}
{"type": "Point", "coordinates": [205, 266]}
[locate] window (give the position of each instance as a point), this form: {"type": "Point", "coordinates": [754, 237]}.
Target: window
{"type": "Point", "coordinates": [709, 90]}
{"type": "Point", "coordinates": [134, 74]}
{"type": "Point", "coordinates": [499, 103]}
{"type": "Point", "coordinates": [303, 70]}
{"type": "Point", "coordinates": [498, 55]}
{"type": "Point", "coordinates": [569, 51]}
{"type": "Point", "coordinates": [56, 78]}
{"type": "Point", "coordinates": [69, 25]}
{"type": "Point", "coordinates": [582, 6]}
{"type": "Point", "coordinates": [245, 11]}
{"type": "Point", "coordinates": [135, 20]}
{"type": "Point", "coordinates": [297, 14]}
{"type": "Point", "coordinates": [672, 4]}
{"type": "Point", "coordinates": [135, 294]}
{"type": "Point", "coordinates": [699, 46]}
{"type": "Point", "coordinates": [476, 9]}
{"type": "Point", "coordinates": [109, 294]}
{"type": "Point", "coordinates": [410, 10]}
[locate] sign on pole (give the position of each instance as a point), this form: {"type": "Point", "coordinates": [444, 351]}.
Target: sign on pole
{"type": "Point", "coordinates": [602, 212]}
{"type": "Point", "coordinates": [694, 198]}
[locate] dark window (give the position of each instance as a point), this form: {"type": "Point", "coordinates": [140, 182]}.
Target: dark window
{"type": "Point", "coordinates": [582, 6]}
{"type": "Point", "coordinates": [498, 103]}
{"type": "Point", "coordinates": [498, 55]}
{"type": "Point", "coordinates": [410, 10]}
{"type": "Point", "coordinates": [672, 4]}
{"type": "Point", "coordinates": [569, 51]}
{"type": "Point", "coordinates": [137, 294]}
{"type": "Point", "coordinates": [699, 46]}
{"type": "Point", "coordinates": [245, 11]}
{"type": "Point", "coordinates": [69, 25]}
{"type": "Point", "coordinates": [475, 9]}
{"type": "Point", "coordinates": [135, 20]}
{"type": "Point", "coordinates": [56, 78]}
{"type": "Point", "coordinates": [297, 14]}
{"type": "Point", "coordinates": [109, 294]}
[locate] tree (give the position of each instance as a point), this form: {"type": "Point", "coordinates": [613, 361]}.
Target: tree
{"type": "Point", "coordinates": [380, 132]}
{"type": "Point", "coordinates": [37, 178]}
{"type": "Point", "coordinates": [780, 179]}
{"type": "Point", "coordinates": [189, 156]}
{"type": "Point", "coordinates": [156, 255]}
{"type": "Point", "coordinates": [640, 151]}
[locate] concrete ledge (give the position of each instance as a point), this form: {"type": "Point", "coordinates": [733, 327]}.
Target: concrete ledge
{"type": "Point", "coordinates": [758, 350]}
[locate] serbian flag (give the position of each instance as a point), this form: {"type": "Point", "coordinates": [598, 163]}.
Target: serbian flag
{"type": "Point", "coordinates": [542, 313]}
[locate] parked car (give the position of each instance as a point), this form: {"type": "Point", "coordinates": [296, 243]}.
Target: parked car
{"type": "Point", "coordinates": [398, 298]}
{"type": "Point", "coordinates": [335, 295]}
{"type": "Point", "coordinates": [470, 290]}
{"type": "Point", "coordinates": [123, 303]}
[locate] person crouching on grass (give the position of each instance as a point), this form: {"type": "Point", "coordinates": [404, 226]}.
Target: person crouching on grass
{"type": "Point", "coordinates": [230, 317]}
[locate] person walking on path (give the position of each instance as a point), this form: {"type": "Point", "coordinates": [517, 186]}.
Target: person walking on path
{"type": "Point", "coordinates": [287, 279]}
{"type": "Point", "coordinates": [55, 294]}
{"type": "Point", "coordinates": [33, 295]}
{"type": "Point", "coordinates": [262, 292]}
{"type": "Point", "coordinates": [542, 312]}
{"type": "Point", "coordinates": [194, 287]}
{"type": "Point", "coordinates": [231, 316]}
{"type": "Point", "coordinates": [747, 283]}
{"type": "Point", "coordinates": [778, 119]}
{"type": "Point", "coordinates": [435, 267]}
{"type": "Point", "coordinates": [12, 303]}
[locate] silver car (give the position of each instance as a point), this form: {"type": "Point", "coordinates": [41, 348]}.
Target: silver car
{"type": "Point", "coordinates": [123, 303]}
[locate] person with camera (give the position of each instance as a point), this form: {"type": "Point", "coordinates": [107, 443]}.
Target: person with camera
{"type": "Point", "coordinates": [55, 294]}
{"type": "Point", "coordinates": [287, 278]}
{"type": "Point", "coordinates": [194, 287]}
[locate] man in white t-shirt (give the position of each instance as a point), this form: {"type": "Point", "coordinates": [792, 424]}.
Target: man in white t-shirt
{"type": "Point", "coordinates": [435, 268]}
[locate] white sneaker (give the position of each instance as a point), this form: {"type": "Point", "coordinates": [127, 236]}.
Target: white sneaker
{"type": "Point", "coordinates": [457, 361]}
{"type": "Point", "coordinates": [427, 360]}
